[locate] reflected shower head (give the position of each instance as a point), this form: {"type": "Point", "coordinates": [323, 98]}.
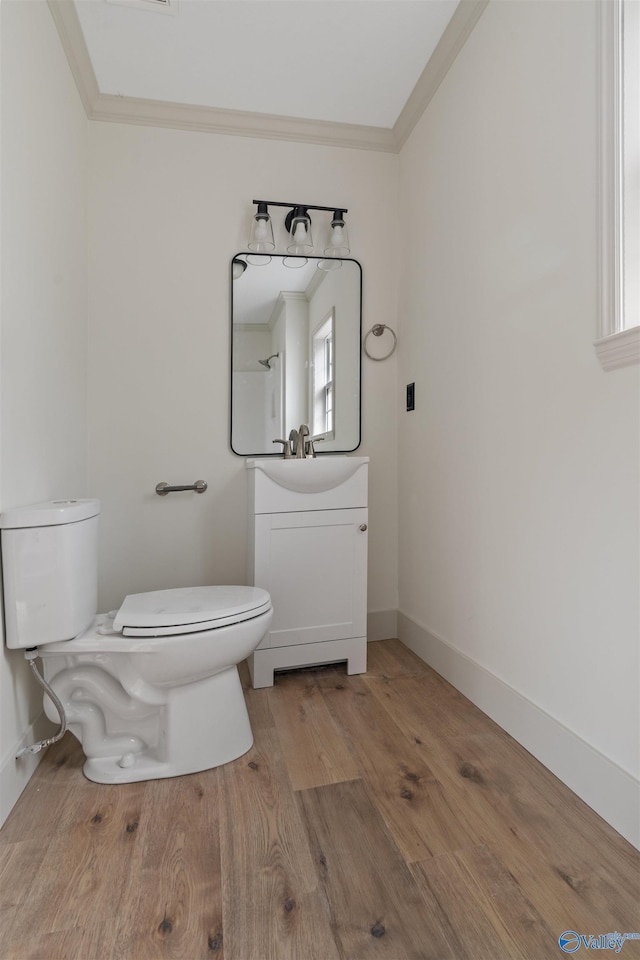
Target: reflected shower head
{"type": "Point", "coordinates": [265, 363]}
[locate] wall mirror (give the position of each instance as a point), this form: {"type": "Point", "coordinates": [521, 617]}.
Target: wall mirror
{"type": "Point", "coordinates": [295, 352]}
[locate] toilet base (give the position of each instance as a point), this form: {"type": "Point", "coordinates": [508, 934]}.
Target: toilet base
{"type": "Point", "coordinates": [202, 725]}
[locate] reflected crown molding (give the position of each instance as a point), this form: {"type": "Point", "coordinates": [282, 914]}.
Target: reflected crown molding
{"type": "Point", "coordinates": [184, 116]}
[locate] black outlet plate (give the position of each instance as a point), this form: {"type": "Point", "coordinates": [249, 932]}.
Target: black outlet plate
{"type": "Point", "coordinates": [411, 396]}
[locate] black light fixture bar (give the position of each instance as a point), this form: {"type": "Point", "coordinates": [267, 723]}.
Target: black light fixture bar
{"type": "Point", "coordinates": [306, 206]}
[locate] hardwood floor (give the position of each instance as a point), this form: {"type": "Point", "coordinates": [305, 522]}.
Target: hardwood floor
{"type": "Point", "coordinates": [379, 816]}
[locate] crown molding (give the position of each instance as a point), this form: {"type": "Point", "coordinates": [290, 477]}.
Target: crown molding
{"type": "Point", "coordinates": [318, 277]}
{"type": "Point", "coordinates": [183, 116]}
{"type": "Point", "coordinates": [458, 30]}
{"type": "Point", "coordinates": [73, 43]}
{"type": "Point", "coordinates": [237, 123]}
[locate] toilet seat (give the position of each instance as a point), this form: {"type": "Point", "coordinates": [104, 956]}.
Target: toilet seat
{"type": "Point", "coordinates": [164, 613]}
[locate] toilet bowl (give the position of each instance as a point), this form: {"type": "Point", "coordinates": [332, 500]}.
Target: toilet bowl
{"type": "Point", "coordinates": [150, 690]}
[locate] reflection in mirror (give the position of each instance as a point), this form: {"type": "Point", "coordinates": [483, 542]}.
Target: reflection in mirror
{"type": "Point", "coordinates": [295, 352]}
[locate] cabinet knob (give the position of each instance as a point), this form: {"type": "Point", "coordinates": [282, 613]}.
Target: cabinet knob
{"type": "Point", "coordinates": [363, 527]}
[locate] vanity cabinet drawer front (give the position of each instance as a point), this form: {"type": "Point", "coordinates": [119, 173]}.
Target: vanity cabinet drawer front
{"type": "Point", "coordinates": [314, 566]}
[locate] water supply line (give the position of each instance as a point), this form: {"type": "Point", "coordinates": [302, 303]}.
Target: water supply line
{"type": "Point", "coordinates": [30, 655]}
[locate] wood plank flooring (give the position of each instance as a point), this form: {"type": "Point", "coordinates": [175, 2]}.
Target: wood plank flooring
{"type": "Point", "coordinates": [379, 816]}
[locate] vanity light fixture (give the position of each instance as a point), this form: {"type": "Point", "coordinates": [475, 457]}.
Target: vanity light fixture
{"type": "Point", "coordinates": [297, 223]}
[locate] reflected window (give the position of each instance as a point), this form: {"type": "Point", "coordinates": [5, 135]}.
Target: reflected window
{"type": "Point", "coordinates": [323, 377]}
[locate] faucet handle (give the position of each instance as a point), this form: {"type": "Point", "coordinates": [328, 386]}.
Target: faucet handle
{"type": "Point", "coordinates": [309, 447]}
{"type": "Point", "coordinates": [286, 451]}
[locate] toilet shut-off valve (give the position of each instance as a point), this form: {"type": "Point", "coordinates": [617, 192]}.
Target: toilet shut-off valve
{"type": "Point", "coordinates": [287, 450]}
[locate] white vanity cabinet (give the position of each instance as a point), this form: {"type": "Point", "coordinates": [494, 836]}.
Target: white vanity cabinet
{"type": "Point", "coordinates": [308, 524]}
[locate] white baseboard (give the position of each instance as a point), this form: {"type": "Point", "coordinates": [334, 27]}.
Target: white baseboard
{"type": "Point", "coordinates": [608, 789]}
{"type": "Point", "coordinates": [382, 625]}
{"type": "Point", "coordinates": [15, 774]}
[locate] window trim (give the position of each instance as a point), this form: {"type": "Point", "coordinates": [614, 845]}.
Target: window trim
{"type": "Point", "coordinates": [319, 384]}
{"type": "Point", "coordinates": [615, 345]}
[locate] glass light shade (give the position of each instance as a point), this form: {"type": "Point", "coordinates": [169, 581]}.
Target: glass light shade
{"type": "Point", "coordinates": [329, 263]}
{"type": "Point", "coordinates": [261, 239]}
{"type": "Point", "coordinates": [239, 267]}
{"type": "Point", "coordinates": [294, 263]}
{"type": "Point", "coordinates": [300, 230]}
{"type": "Point", "coordinates": [338, 239]}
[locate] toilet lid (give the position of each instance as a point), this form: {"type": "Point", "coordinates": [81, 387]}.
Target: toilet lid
{"type": "Point", "coordinates": [188, 610]}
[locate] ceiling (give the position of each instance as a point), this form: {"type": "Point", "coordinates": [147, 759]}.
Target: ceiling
{"type": "Point", "coordinates": [344, 61]}
{"type": "Point", "coordinates": [254, 302]}
{"type": "Point", "coordinates": [348, 73]}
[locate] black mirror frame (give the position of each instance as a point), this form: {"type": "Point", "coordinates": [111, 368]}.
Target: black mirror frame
{"type": "Point", "coordinates": [245, 253]}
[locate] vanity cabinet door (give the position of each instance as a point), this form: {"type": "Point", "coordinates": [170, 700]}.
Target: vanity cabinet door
{"type": "Point", "coordinates": [314, 565]}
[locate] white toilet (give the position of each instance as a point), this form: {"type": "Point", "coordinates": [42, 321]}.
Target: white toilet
{"type": "Point", "coordinates": [151, 690]}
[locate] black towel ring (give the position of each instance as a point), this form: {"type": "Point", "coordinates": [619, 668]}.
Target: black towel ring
{"type": "Point", "coordinates": [377, 330]}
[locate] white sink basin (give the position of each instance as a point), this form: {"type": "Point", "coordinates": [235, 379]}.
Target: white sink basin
{"type": "Point", "coordinates": [309, 476]}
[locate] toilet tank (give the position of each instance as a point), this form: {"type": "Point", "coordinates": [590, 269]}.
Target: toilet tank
{"type": "Point", "coordinates": [49, 570]}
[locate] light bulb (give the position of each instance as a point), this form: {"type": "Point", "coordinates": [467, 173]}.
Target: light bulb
{"type": "Point", "coordinates": [337, 236]}
{"type": "Point", "coordinates": [337, 241]}
{"type": "Point", "coordinates": [298, 223]}
{"type": "Point", "coordinates": [261, 238]}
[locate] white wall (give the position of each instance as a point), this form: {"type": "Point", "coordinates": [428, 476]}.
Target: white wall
{"type": "Point", "coordinates": [168, 209]}
{"type": "Point", "coordinates": [43, 310]}
{"type": "Point", "coordinates": [519, 515]}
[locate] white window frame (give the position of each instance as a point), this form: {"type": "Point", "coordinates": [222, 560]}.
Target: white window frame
{"type": "Point", "coordinates": [618, 343]}
{"type": "Point", "coordinates": [323, 381]}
